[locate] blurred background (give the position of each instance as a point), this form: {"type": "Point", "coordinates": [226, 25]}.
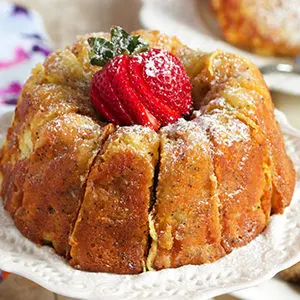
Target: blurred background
{"type": "Point", "coordinates": [64, 20]}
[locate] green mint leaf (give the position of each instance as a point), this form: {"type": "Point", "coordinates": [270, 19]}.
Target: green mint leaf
{"type": "Point", "coordinates": [121, 43]}
{"type": "Point", "coordinates": [102, 51]}
{"type": "Point", "coordinates": [137, 45]}
{"type": "Point", "coordinates": [120, 39]}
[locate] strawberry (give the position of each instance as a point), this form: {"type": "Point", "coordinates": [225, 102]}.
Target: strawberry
{"type": "Point", "coordinates": [138, 85]}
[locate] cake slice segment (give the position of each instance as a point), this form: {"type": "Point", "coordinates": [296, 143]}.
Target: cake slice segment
{"type": "Point", "coordinates": [38, 104]}
{"type": "Point", "coordinates": [111, 231]}
{"type": "Point", "coordinates": [54, 184]}
{"type": "Point", "coordinates": [238, 158]}
{"type": "Point", "coordinates": [184, 223]}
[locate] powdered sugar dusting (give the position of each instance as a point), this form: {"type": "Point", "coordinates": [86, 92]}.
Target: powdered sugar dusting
{"type": "Point", "coordinates": [184, 136]}
{"type": "Point", "coordinates": [235, 193]}
{"type": "Point", "coordinates": [73, 125]}
{"type": "Point", "coordinates": [244, 160]}
{"type": "Point", "coordinates": [135, 134]}
{"type": "Point", "coordinates": [150, 68]}
{"type": "Point", "coordinates": [182, 127]}
{"type": "Point", "coordinates": [225, 129]}
{"type": "Point", "coordinates": [135, 129]}
{"type": "Point", "coordinates": [160, 64]}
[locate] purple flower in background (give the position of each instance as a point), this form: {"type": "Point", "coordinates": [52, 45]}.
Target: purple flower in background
{"type": "Point", "coordinates": [43, 50]}
{"type": "Point", "coordinates": [25, 43]}
{"type": "Point", "coordinates": [20, 56]}
{"type": "Point", "coordinates": [33, 36]}
{"type": "Point", "coordinates": [11, 101]}
{"type": "Point", "coordinates": [10, 94]}
{"type": "Point", "coordinates": [19, 9]}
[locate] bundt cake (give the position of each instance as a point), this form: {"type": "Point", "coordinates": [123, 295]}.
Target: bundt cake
{"type": "Point", "coordinates": [268, 27]}
{"type": "Point", "coordinates": [130, 153]}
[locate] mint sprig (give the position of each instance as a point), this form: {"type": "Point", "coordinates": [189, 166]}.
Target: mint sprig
{"type": "Point", "coordinates": [121, 42]}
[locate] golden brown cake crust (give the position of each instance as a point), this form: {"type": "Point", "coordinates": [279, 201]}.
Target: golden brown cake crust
{"type": "Point", "coordinates": [111, 232]}
{"type": "Point", "coordinates": [38, 104]}
{"type": "Point", "coordinates": [231, 83]}
{"type": "Point", "coordinates": [266, 27]}
{"type": "Point", "coordinates": [53, 188]}
{"type": "Point", "coordinates": [238, 156]}
{"type": "Point", "coordinates": [49, 174]}
{"type": "Point", "coordinates": [184, 223]}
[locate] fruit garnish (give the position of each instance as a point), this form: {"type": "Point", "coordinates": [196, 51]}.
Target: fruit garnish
{"type": "Point", "coordinates": [138, 85]}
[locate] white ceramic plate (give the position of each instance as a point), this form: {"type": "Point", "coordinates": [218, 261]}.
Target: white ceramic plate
{"type": "Point", "coordinates": [193, 22]}
{"type": "Point", "coordinates": [276, 249]}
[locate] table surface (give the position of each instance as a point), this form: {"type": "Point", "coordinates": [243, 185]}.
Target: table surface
{"type": "Point", "coordinates": [93, 16]}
